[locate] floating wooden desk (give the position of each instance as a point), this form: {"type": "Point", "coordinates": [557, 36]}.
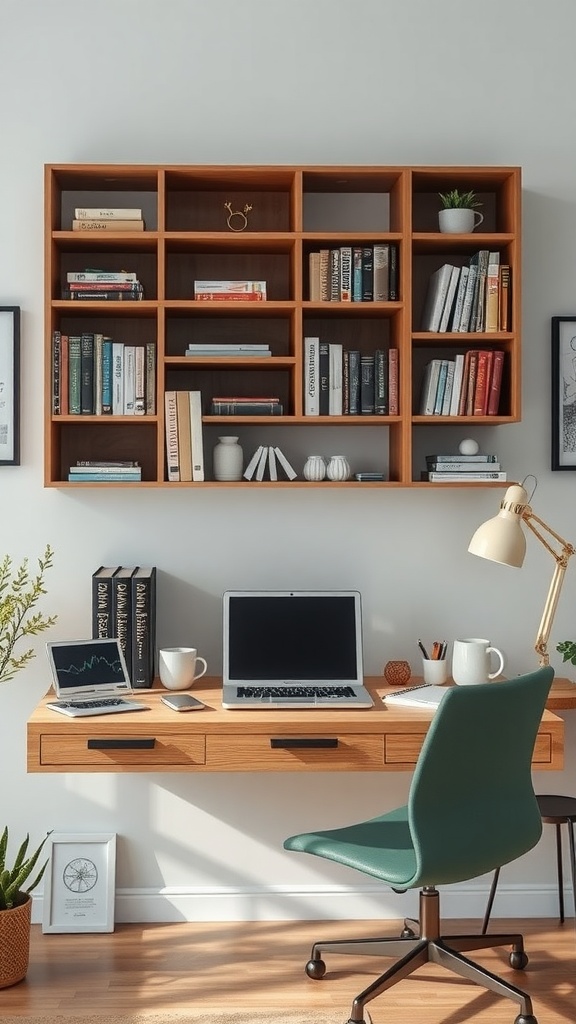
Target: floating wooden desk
{"type": "Point", "coordinates": [214, 740]}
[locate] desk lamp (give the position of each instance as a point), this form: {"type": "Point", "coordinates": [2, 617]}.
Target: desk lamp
{"type": "Point", "coordinates": [502, 539]}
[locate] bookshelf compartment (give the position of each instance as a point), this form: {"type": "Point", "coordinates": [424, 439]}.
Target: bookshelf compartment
{"type": "Point", "coordinates": [497, 190]}
{"type": "Point", "coordinates": [67, 260]}
{"type": "Point", "coordinates": [233, 381]}
{"type": "Point", "coordinates": [213, 329]}
{"type": "Point", "coordinates": [184, 267]}
{"type": "Point", "coordinates": [82, 438]}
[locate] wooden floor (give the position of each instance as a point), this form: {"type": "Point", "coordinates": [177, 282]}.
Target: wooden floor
{"type": "Point", "coordinates": [155, 968]}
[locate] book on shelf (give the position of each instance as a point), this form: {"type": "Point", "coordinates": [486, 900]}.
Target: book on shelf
{"type": "Point", "coordinates": [345, 273]}
{"type": "Point", "coordinates": [230, 297]}
{"type": "Point", "coordinates": [462, 467]}
{"type": "Point", "coordinates": [143, 626]}
{"type": "Point", "coordinates": [195, 398]}
{"type": "Point", "coordinates": [117, 378]}
{"type": "Point", "coordinates": [261, 467]}
{"type": "Point", "coordinates": [393, 382]}
{"type": "Point", "coordinates": [246, 408]}
{"type": "Point", "coordinates": [97, 476]}
{"type": "Point", "coordinates": [456, 314]}
{"type": "Point", "coordinates": [468, 460]}
{"type": "Point", "coordinates": [106, 376]}
{"type": "Point", "coordinates": [367, 273]}
{"type": "Point", "coordinates": [314, 276]}
{"type": "Point", "coordinates": [440, 387]}
{"type": "Point", "coordinates": [495, 383]}
{"type": "Point", "coordinates": [436, 297]}
{"type": "Point", "coordinates": [228, 353]}
{"type": "Point", "coordinates": [107, 469]}
{"type": "Point", "coordinates": [140, 380]}
{"type": "Point", "coordinates": [345, 381]}
{"type": "Point", "coordinates": [89, 287]}
{"type": "Point", "coordinates": [102, 602]}
{"type": "Point", "coordinates": [504, 298]}
{"type": "Point", "coordinates": [492, 290]}
{"type": "Point", "coordinates": [456, 383]}
{"type": "Point", "coordinates": [231, 288]}
{"type": "Point", "coordinates": [64, 375]}
{"type": "Point", "coordinates": [324, 378]}
{"type": "Point", "coordinates": [253, 463]}
{"type": "Point", "coordinates": [335, 379]}
{"type": "Point", "coordinates": [100, 277]}
{"type": "Point", "coordinates": [334, 275]}
{"type": "Point", "coordinates": [480, 311]}
{"type": "Point", "coordinates": [381, 382]}
{"type": "Point", "coordinates": [356, 273]}
{"type": "Point", "coordinates": [105, 294]}
{"type": "Point", "coordinates": [184, 436]}
{"type": "Point", "coordinates": [447, 399]}
{"type": "Point", "coordinates": [272, 463]}
{"type": "Point", "coordinates": [381, 272]}
{"type": "Point", "coordinates": [122, 611]}
{"type": "Point", "coordinates": [429, 387]}
{"type": "Point", "coordinates": [74, 374]}
{"type": "Point", "coordinates": [129, 379]}
{"type": "Point", "coordinates": [286, 466]}
{"type": "Point", "coordinates": [107, 213]}
{"type": "Point", "coordinates": [471, 384]}
{"type": "Point", "coordinates": [171, 420]}
{"type": "Point", "coordinates": [393, 292]}
{"type": "Point", "coordinates": [464, 325]}
{"type": "Point", "coordinates": [367, 393]}
{"type": "Point", "coordinates": [449, 301]}
{"type": "Point", "coordinates": [86, 374]}
{"type": "Point", "coordinates": [353, 408]}
{"type": "Point", "coordinates": [466, 477]}
{"type": "Point", "coordinates": [311, 376]}
{"type": "Point", "coordinates": [150, 371]}
{"type": "Point", "coordinates": [483, 377]}
{"type": "Point", "coordinates": [106, 224]}
{"type": "Point", "coordinates": [56, 372]}
{"type": "Point", "coordinates": [324, 275]}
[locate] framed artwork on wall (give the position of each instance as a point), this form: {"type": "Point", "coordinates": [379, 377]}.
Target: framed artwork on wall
{"type": "Point", "coordinates": [79, 883]}
{"type": "Point", "coordinates": [563, 392]}
{"type": "Point", "coordinates": [9, 385]}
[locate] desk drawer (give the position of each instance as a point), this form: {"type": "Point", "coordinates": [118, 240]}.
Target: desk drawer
{"type": "Point", "coordinates": [293, 753]}
{"type": "Point", "coordinates": [402, 749]}
{"type": "Point", "coordinates": [109, 752]}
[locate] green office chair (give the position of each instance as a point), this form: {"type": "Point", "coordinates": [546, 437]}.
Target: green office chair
{"type": "Point", "coordinates": [471, 808]}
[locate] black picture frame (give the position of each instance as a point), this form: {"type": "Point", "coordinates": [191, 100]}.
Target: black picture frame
{"type": "Point", "coordinates": [9, 385]}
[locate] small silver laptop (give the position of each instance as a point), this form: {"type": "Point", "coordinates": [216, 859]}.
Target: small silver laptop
{"type": "Point", "coordinates": [90, 677]}
{"type": "Point", "coordinates": [293, 649]}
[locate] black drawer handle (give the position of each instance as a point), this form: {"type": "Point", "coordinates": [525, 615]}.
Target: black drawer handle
{"type": "Point", "coordinates": [308, 743]}
{"type": "Point", "coordinates": [119, 744]}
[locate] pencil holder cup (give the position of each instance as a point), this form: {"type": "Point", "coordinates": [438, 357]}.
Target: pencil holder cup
{"type": "Point", "coordinates": [435, 671]}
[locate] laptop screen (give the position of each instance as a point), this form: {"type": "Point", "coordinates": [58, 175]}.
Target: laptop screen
{"type": "Point", "coordinates": [292, 636]}
{"type": "Point", "coordinates": [82, 667]}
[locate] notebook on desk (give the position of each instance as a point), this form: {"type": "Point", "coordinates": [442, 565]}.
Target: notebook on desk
{"type": "Point", "coordinates": [90, 677]}
{"type": "Point", "coordinates": [428, 695]}
{"type": "Point", "coordinates": [293, 649]}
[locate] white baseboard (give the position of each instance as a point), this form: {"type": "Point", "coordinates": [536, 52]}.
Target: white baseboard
{"type": "Point", "coordinates": [278, 903]}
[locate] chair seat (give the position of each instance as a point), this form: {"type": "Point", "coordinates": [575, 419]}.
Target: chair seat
{"type": "Point", "coordinates": [557, 809]}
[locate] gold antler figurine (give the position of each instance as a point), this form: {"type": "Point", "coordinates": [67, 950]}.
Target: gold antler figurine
{"type": "Point", "coordinates": [237, 213]}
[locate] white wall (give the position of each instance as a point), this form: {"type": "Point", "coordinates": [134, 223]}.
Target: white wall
{"type": "Point", "coordinates": [272, 81]}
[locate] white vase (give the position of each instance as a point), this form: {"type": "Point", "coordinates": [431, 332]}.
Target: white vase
{"type": "Point", "coordinates": [314, 468]}
{"type": "Point", "coordinates": [228, 459]}
{"type": "Point", "coordinates": [338, 468]}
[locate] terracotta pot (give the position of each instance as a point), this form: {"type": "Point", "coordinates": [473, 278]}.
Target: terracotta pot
{"type": "Point", "coordinates": [15, 943]}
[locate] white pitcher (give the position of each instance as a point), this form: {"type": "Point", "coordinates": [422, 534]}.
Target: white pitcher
{"type": "Point", "coordinates": [471, 661]}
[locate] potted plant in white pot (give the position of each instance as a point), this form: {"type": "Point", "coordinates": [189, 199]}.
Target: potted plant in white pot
{"type": "Point", "coordinates": [20, 592]}
{"type": "Point", "coordinates": [459, 213]}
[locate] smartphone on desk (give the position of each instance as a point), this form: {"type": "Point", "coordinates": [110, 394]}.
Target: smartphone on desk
{"type": "Point", "coordinates": [182, 702]}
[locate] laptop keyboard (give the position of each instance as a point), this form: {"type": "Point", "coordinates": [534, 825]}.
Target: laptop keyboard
{"type": "Point", "coordinates": [104, 702]}
{"type": "Point", "coordinates": [302, 692]}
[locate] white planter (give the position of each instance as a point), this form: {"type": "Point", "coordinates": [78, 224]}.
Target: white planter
{"type": "Point", "coordinates": [228, 459]}
{"type": "Point", "coordinates": [459, 221]}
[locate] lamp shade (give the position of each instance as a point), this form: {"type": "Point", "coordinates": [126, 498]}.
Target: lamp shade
{"type": "Point", "coordinates": [502, 539]}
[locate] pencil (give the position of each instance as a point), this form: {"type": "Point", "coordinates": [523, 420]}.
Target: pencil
{"type": "Point", "coordinates": [423, 649]}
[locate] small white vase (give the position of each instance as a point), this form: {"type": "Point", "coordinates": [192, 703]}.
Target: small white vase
{"type": "Point", "coordinates": [459, 220]}
{"type": "Point", "coordinates": [228, 459]}
{"type": "Point", "coordinates": [314, 468]}
{"type": "Point", "coordinates": [338, 468]}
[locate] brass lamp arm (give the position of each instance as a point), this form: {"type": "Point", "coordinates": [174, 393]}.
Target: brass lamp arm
{"type": "Point", "coordinates": [561, 559]}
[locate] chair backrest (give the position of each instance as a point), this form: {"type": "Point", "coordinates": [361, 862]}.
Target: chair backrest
{"type": "Point", "coordinates": [471, 805]}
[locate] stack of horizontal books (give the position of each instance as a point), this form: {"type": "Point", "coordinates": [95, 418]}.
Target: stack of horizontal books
{"type": "Point", "coordinates": [235, 405]}
{"type": "Point", "coordinates": [462, 468]}
{"type": "Point", "coordinates": [88, 471]}
{"type": "Point", "coordinates": [99, 285]}
{"type": "Point", "coordinates": [228, 350]}
{"type": "Point", "coordinates": [107, 218]}
{"type": "Point", "coordinates": [230, 291]}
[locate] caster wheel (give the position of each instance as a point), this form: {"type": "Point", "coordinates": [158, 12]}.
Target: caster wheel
{"type": "Point", "coordinates": [525, 1018]}
{"type": "Point", "coordinates": [316, 969]}
{"type": "Point", "coordinates": [407, 933]}
{"type": "Point", "coordinates": [519, 961]}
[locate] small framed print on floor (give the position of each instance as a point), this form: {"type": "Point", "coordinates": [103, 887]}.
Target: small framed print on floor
{"type": "Point", "coordinates": [79, 883]}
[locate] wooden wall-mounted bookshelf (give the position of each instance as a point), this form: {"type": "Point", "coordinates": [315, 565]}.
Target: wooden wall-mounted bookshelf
{"type": "Point", "coordinates": [295, 211]}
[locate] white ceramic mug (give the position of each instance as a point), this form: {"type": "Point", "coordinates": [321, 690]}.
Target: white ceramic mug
{"type": "Point", "coordinates": [471, 661]}
{"type": "Point", "coordinates": [459, 221]}
{"type": "Point", "coordinates": [177, 667]}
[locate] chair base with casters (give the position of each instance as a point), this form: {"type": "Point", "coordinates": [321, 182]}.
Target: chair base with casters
{"type": "Point", "coordinates": [428, 947]}
{"type": "Point", "coordinates": [557, 811]}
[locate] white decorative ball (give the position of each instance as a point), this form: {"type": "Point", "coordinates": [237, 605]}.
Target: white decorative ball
{"type": "Point", "coordinates": [468, 446]}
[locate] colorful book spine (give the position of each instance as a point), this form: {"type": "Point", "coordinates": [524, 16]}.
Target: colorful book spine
{"type": "Point", "coordinates": [171, 426]}
{"type": "Point", "coordinates": [381, 381]}
{"type": "Point", "coordinates": [354, 374]}
{"type": "Point", "coordinates": [74, 374]}
{"type": "Point", "coordinates": [107, 345]}
{"type": "Point", "coordinates": [393, 382]}
{"type": "Point", "coordinates": [87, 374]}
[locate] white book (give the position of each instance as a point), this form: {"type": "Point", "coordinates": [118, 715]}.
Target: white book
{"type": "Point", "coordinates": [237, 287]}
{"type": "Point", "coordinates": [261, 467]}
{"type": "Point", "coordinates": [197, 442]}
{"type": "Point", "coordinates": [140, 381]}
{"type": "Point", "coordinates": [288, 469]}
{"type": "Point", "coordinates": [448, 389]}
{"type": "Point", "coordinates": [171, 419]}
{"type": "Point", "coordinates": [272, 470]}
{"type": "Point", "coordinates": [129, 379]}
{"type": "Point", "coordinates": [311, 379]}
{"type": "Point", "coordinates": [429, 387]}
{"type": "Point", "coordinates": [450, 299]}
{"type": "Point", "coordinates": [459, 300]}
{"type": "Point", "coordinates": [436, 297]}
{"type": "Point", "coordinates": [251, 467]}
{"type": "Point", "coordinates": [98, 345]}
{"type": "Point", "coordinates": [107, 213]}
{"type": "Point", "coordinates": [441, 387]}
{"type": "Point", "coordinates": [457, 384]}
{"type": "Point", "coordinates": [440, 476]}
{"type": "Point", "coordinates": [335, 380]}
{"type": "Point", "coordinates": [468, 300]}
{"type": "Point", "coordinates": [117, 378]}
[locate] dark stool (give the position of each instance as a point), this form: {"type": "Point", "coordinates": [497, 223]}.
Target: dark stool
{"type": "Point", "coordinates": [558, 811]}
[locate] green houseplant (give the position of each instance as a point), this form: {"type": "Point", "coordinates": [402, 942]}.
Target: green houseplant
{"type": "Point", "coordinates": [567, 648]}
{"type": "Point", "coordinates": [459, 213]}
{"type": "Point", "coordinates": [20, 591]}
{"type": "Point", "coordinates": [456, 200]}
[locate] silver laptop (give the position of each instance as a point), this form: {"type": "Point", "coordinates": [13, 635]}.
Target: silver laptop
{"type": "Point", "coordinates": [90, 678]}
{"type": "Point", "coordinates": [293, 649]}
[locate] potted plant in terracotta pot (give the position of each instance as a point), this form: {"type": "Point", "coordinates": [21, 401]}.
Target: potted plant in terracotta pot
{"type": "Point", "coordinates": [20, 592]}
{"type": "Point", "coordinates": [16, 908]}
{"type": "Point", "coordinates": [459, 213]}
